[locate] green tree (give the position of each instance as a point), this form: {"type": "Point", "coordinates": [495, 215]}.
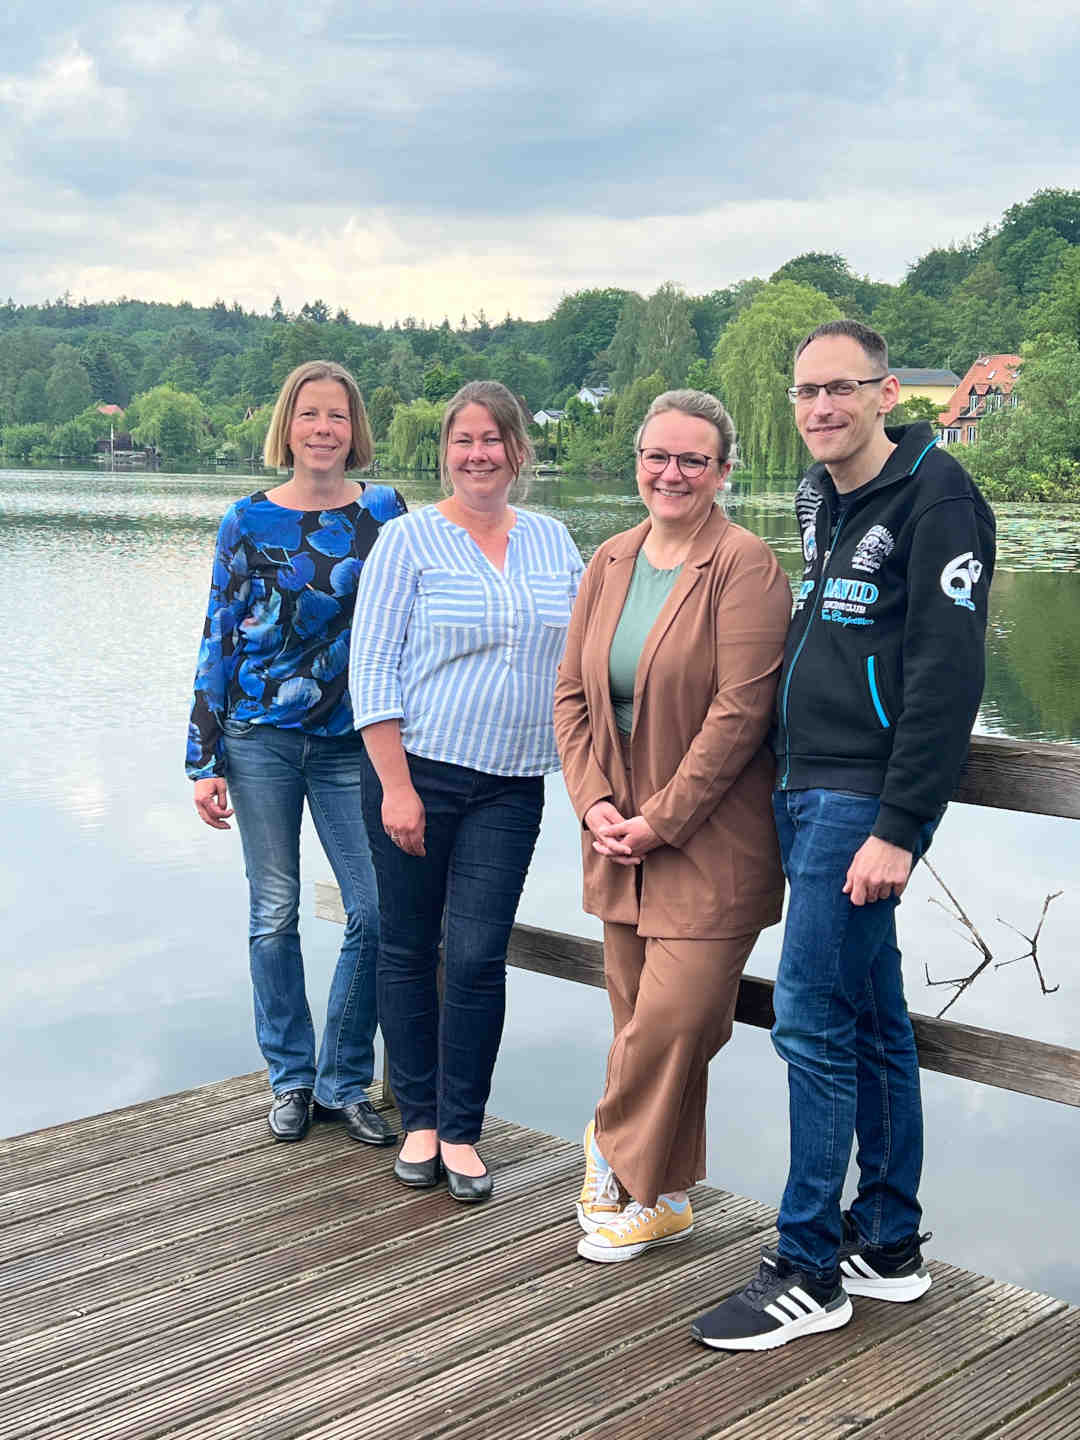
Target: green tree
{"type": "Point", "coordinates": [986, 315]}
{"type": "Point", "coordinates": [711, 314]}
{"type": "Point", "coordinates": [19, 442]}
{"type": "Point", "coordinates": [909, 412]}
{"type": "Point", "coordinates": [581, 325]}
{"type": "Point", "coordinates": [1033, 451]}
{"type": "Point", "coordinates": [30, 401]}
{"type": "Point", "coordinates": [248, 435]}
{"type": "Point", "coordinates": [1029, 264]}
{"type": "Point", "coordinates": [414, 436]}
{"type": "Point", "coordinates": [828, 273]}
{"type": "Point", "coordinates": [752, 366]}
{"type": "Point", "coordinates": [67, 390]}
{"type": "Point", "coordinates": [381, 410]}
{"type": "Point", "coordinates": [630, 412]}
{"type": "Point", "coordinates": [624, 352]}
{"type": "Point", "coordinates": [940, 271]}
{"type": "Point", "coordinates": [440, 384]}
{"type": "Point", "coordinates": [917, 327]}
{"type": "Point", "coordinates": [1057, 312]}
{"type": "Point", "coordinates": [224, 380]}
{"type": "Point", "coordinates": [168, 419]}
{"type": "Point", "coordinates": [667, 342]}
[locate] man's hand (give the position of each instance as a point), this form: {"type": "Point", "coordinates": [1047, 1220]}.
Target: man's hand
{"type": "Point", "coordinates": [877, 871]}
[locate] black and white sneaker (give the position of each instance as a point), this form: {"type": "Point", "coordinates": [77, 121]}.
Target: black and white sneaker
{"type": "Point", "coordinates": [779, 1305]}
{"type": "Point", "coordinates": [883, 1272]}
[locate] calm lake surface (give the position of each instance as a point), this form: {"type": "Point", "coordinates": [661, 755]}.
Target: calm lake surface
{"type": "Point", "coordinates": [123, 965]}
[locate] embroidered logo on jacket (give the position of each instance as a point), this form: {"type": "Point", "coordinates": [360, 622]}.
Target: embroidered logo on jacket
{"type": "Point", "coordinates": [846, 602]}
{"type": "Point", "coordinates": [959, 578]}
{"type": "Point", "coordinates": [807, 503]}
{"type": "Point", "coordinates": [874, 547]}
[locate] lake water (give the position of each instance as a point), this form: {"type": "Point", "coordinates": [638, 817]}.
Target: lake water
{"type": "Point", "coordinates": [123, 965]}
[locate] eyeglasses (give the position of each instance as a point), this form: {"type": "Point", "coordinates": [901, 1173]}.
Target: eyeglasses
{"type": "Point", "coordinates": [801, 394]}
{"type": "Point", "coordinates": [691, 464]}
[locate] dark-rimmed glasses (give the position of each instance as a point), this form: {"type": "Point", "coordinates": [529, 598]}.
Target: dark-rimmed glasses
{"type": "Point", "coordinates": [691, 463]}
{"type": "Point", "coordinates": [802, 394]}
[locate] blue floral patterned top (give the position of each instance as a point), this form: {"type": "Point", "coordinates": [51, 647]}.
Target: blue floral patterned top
{"type": "Point", "coordinates": [275, 647]}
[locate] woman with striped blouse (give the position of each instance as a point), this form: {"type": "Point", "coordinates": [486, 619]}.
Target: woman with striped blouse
{"type": "Point", "coordinates": [461, 616]}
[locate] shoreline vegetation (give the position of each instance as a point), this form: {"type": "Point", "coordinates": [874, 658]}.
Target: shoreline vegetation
{"type": "Point", "coordinates": [80, 380]}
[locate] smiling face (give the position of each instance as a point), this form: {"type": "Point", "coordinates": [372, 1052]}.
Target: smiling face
{"type": "Point", "coordinates": [320, 432]}
{"type": "Point", "coordinates": [670, 498]}
{"type": "Point", "coordinates": [480, 469]}
{"type": "Point", "coordinates": [845, 431]}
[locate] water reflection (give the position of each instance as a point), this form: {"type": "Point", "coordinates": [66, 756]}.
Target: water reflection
{"type": "Point", "coordinates": [124, 963]}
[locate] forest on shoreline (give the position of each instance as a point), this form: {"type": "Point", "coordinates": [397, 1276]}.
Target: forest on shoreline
{"type": "Point", "coordinates": [198, 382]}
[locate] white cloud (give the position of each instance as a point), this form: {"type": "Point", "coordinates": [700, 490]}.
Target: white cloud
{"type": "Point", "coordinates": [433, 158]}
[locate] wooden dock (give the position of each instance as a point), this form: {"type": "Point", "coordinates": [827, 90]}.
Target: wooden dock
{"type": "Point", "coordinates": [169, 1270]}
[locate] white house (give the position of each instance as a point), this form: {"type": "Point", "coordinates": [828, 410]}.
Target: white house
{"type": "Point", "coordinates": [593, 394]}
{"type": "Point", "coordinates": [544, 418]}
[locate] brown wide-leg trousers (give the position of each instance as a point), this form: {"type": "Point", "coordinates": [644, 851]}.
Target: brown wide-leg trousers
{"type": "Point", "coordinates": [673, 1003]}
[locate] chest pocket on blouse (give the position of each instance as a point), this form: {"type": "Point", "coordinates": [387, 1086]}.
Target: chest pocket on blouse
{"type": "Point", "coordinates": [551, 596]}
{"type": "Point", "coordinates": [451, 597]}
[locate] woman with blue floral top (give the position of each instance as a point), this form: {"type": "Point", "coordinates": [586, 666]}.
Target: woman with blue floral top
{"type": "Point", "coordinates": [272, 724]}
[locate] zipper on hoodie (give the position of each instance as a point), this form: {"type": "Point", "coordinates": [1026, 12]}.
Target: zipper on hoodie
{"type": "Point", "coordinates": [799, 648]}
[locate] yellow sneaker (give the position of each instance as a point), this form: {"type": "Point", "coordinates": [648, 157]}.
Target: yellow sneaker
{"type": "Point", "coordinates": [638, 1228]}
{"type": "Point", "coordinates": [601, 1199]}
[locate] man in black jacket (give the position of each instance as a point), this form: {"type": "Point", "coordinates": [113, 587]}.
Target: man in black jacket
{"type": "Point", "coordinates": [882, 676]}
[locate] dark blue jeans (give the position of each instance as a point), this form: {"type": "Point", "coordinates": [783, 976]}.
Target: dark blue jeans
{"type": "Point", "coordinates": [269, 771]}
{"type": "Point", "coordinates": [480, 834]}
{"type": "Point", "coordinates": [843, 1027]}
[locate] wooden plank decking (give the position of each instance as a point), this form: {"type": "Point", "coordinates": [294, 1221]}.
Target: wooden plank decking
{"type": "Point", "coordinates": [169, 1270]}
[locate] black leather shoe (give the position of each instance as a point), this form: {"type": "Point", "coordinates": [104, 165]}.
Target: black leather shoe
{"type": "Point", "coordinates": [469, 1189]}
{"type": "Point", "coordinates": [290, 1115]}
{"type": "Point", "coordinates": [361, 1120]}
{"type": "Point", "coordinates": [420, 1174]}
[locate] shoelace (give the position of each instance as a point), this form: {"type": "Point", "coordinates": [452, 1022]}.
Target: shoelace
{"type": "Point", "coordinates": [766, 1280]}
{"type": "Point", "coordinates": [605, 1187]}
{"type": "Point", "coordinates": [632, 1218]}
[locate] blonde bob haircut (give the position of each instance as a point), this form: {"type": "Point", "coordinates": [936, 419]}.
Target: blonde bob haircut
{"type": "Point", "coordinates": [276, 450]}
{"type": "Point", "coordinates": [510, 421]}
{"type": "Point", "coordinates": [699, 405]}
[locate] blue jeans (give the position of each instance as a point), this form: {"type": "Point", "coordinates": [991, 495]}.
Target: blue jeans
{"type": "Point", "coordinates": [843, 1027]}
{"type": "Point", "coordinates": [479, 838]}
{"type": "Point", "coordinates": [269, 772]}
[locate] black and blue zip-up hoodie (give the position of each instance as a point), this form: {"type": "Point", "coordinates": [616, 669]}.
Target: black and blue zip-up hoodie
{"type": "Point", "coordinates": [884, 662]}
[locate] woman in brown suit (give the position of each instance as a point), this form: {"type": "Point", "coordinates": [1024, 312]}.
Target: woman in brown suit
{"type": "Point", "coordinates": [664, 699]}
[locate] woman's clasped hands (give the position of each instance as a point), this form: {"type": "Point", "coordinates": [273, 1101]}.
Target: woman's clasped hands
{"type": "Point", "coordinates": [624, 840]}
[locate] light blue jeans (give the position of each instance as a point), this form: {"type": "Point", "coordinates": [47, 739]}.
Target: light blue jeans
{"type": "Point", "coordinates": [269, 772]}
{"type": "Point", "coordinates": [842, 1025]}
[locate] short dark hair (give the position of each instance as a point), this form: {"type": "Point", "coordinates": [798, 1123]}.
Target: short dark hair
{"type": "Point", "coordinates": [877, 350]}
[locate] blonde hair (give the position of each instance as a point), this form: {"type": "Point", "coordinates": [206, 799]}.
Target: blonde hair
{"type": "Point", "coordinates": [700, 405]}
{"type": "Point", "coordinates": [276, 450]}
{"type": "Point", "coordinates": [510, 421]}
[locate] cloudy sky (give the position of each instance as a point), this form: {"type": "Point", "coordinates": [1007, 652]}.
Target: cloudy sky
{"type": "Point", "coordinates": [433, 157]}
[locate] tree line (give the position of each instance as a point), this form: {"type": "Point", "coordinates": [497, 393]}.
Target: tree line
{"type": "Point", "coordinates": [199, 381]}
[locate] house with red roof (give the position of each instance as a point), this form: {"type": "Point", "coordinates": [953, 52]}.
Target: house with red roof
{"type": "Point", "coordinates": [987, 386]}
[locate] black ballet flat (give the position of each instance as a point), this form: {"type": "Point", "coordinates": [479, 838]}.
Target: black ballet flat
{"type": "Point", "coordinates": [419, 1174]}
{"type": "Point", "coordinates": [469, 1189]}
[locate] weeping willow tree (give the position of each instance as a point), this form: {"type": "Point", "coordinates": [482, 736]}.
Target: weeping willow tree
{"type": "Point", "coordinates": [414, 436]}
{"type": "Point", "coordinates": [751, 370]}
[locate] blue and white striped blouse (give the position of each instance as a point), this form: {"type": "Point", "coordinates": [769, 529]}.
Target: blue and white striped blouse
{"type": "Point", "coordinates": [463, 656]}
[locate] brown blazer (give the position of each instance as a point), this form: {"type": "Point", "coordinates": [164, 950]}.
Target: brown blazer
{"type": "Point", "coordinates": [703, 701]}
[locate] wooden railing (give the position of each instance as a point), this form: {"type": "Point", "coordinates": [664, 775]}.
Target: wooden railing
{"type": "Point", "coordinates": [1037, 778]}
